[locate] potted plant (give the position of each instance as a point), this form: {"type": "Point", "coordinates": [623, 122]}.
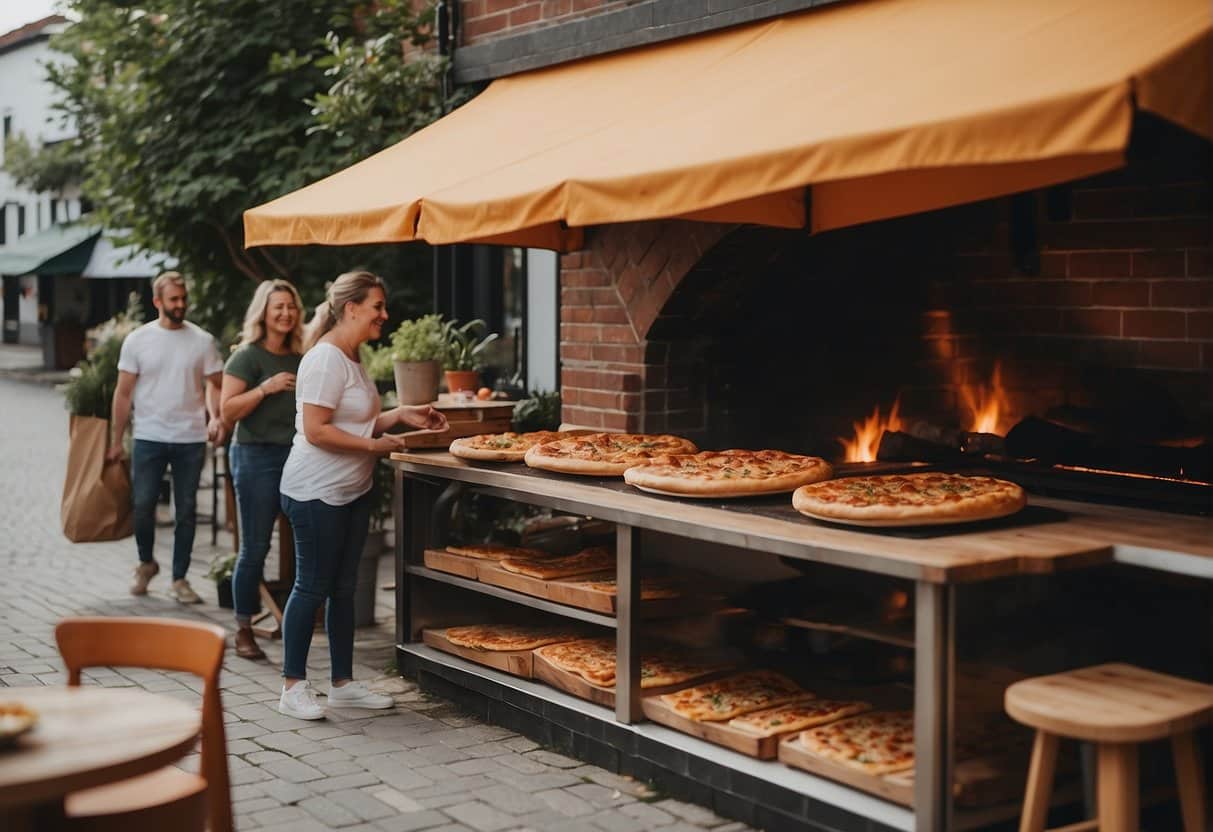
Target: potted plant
{"type": "Point", "coordinates": [417, 349]}
{"type": "Point", "coordinates": [221, 570]}
{"type": "Point", "coordinates": [465, 346]}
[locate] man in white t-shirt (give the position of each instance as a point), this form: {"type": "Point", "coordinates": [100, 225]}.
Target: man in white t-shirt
{"type": "Point", "coordinates": [169, 372]}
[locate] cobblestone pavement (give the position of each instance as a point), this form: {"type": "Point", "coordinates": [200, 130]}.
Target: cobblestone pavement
{"type": "Point", "coordinates": [424, 765]}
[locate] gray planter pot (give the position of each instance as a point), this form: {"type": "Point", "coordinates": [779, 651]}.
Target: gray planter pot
{"type": "Point", "coordinates": [417, 381]}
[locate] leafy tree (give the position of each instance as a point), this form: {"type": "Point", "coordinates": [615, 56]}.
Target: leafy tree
{"type": "Point", "coordinates": [51, 169]}
{"type": "Point", "coordinates": [189, 112]}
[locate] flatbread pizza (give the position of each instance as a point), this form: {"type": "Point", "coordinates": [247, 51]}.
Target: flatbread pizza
{"type": "Point", "coordinates": [604, 454]}
{"type": "Point", "coordinates": [797, 716]}
{"type": "Point", "coordinates": [651, 589]}
{"type": "Point", "coordinates": [594, 559]}
{"type": "Point", "coordinates": [594, 660]}
{"type": "Point", "coordinates": [509, 637]}
{"type": "Point", "coordinates": [735, 695]}
{"type": "Point", "coordinates": [909, 499]}
{"type": "Point", "coordinates": [880, 742]}
{"type": "Point", "coordinates": [497, 551]}
{"type": "Point", "coordinates": [733, 473]}
{"type": "Point", "coordinates": [504, 447]}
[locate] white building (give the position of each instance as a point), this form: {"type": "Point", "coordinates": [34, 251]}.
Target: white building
{"type": "Point", "coordinates": [26, 99]}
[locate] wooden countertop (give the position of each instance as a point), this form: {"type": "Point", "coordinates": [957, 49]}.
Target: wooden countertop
{"type": "Point", "coordinates": [1048, 535]}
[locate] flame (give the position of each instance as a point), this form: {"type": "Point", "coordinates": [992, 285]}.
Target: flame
{"type": "Point", "coordinates": [862, 448]}
{"type": "Point", "coordinates": [989, 408]}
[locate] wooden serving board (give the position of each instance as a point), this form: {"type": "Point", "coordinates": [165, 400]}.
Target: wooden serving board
{"type": "Point", "coordinates": [514, 662]}
{"type": "Point", "coordinates": [977, 781]}
{"type": "Point", "coordinates": [763, 748]}
{"type": "Point", "coordinates": [575, 684]}
{"type": "Point", "coordinates": [444, 561]}
{"type": "Point", "coordinates": [455, 430]}
{"type": "Point", "coordinates": [491, 572]}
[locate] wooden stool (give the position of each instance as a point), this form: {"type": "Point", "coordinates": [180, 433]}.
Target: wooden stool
{"type": "Point", "coordinates": [1114, 706]}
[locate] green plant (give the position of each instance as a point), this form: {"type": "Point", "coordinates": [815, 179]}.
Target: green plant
{"type": "Point", "coordinates": [222, 567]}
{"type": "Point", "coordinates": [90, 392]}
{"type": "Point", "coordinates": [464, 344]}
{"type": "Point", "coordinates": [541, 411]}
{"type": "Point", "coordinates": [422, 339]}
{"type": "Point", "coordinates": [377, 361]}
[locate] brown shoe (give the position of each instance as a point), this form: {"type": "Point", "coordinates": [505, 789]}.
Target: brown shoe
{"type": "Point", "coordinates": [144, 573]}
{"type": "Point", "coordinates": [246, 645]}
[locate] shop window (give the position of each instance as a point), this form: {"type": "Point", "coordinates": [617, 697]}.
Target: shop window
{"type": "Point", "coordinates": [20, 221]}
{"type": "Point", "coordinates": [3, 224]}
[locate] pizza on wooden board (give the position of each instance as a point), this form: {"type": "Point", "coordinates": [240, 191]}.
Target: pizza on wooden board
{"type": "Point", "coordinates": [651, 589]}
{"type": "Point", "coordinates": [735, 695]}
{"type": "Point", "coordinates": [796, 717]}
{"type": "Point", "coordinates": [504, 447]}
{"type": "Point", "coordinates": [498, 552]}
{"type": "Point", "coordinates": [509, 637]}
{"type": "Point", "coordinates": [877, 743]}
{"type": "Point", "coordinates": [594, 660]}
{"type": "Point", "coordinates": [733, 473]}
{"type": "Point", "coordinates": [909, 499]}
{"type": "Point", "coordinates": [594, 559]}
{"type": "Point", "coordinates": [604, 454]}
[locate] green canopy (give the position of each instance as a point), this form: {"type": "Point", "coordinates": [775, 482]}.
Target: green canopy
{"type": "Point", "coordinates": [61, 249]}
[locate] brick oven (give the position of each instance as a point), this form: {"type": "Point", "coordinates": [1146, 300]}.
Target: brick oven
{"type": "Point", "coordinates": [1095, 296]}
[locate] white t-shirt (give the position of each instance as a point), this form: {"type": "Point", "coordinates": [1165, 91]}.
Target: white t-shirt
{"type": "Point", "coordinates": [329, 379]}
{"type": "Point", "coordinates": [170, 393]}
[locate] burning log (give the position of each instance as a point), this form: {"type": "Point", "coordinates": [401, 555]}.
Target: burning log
{"type": "Point", "coordinates": [926, 442]}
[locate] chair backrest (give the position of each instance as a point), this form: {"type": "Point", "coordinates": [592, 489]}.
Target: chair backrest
{"type": "Point", "coordinates": [161, 644]}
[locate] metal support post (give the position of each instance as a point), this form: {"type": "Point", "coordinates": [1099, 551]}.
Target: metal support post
{"type": "Point", "coordinates": [627, 650]}
{"type": "Point", "coordinates": [934, 693]}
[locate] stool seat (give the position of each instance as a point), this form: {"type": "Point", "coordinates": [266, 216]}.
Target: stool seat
{"type": "Point", "coordinates": [1110, 703]}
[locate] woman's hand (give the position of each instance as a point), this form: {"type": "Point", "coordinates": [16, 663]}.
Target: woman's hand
{"type": "Point", "coordinates": [277, 383]}
{"type": "Point", "coordinates": [387, 443]}
{"type": "Point", "coordinates": [422, 417]}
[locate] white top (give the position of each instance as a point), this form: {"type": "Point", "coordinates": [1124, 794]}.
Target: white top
{"type": "Point", "coordinates": [170, 392]}
{"type": "Point", "coordinates": [328, 378]}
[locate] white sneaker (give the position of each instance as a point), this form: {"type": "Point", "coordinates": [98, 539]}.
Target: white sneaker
{"type": "Point", "coordinates": [184, 593]}
{"type": "Point", "coordinates": [358, 695]}
{"type": "Point", "coordinates": [299, 701]}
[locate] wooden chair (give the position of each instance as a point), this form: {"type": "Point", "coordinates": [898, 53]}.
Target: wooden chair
{"type": "Point", "coordinates": [168, 798]}
{"type": "Point", "coordinates": [1116, 707]}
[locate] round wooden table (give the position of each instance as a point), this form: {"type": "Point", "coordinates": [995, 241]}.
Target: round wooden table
{"type": "Point", "coordinates": [85, 737]}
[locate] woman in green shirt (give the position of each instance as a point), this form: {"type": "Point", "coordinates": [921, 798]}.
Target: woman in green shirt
{"type": "Point", "coordinates": [258, 397]}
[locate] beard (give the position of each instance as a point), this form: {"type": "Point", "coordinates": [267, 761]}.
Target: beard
{"type": "Point", "coordinates": [175, 315]}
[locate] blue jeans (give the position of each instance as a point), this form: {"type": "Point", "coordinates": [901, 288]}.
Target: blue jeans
{"type": "Point", "coordinates": [148, 463]}
{"type": "Point", "coordinates": [328, 544]}
{"type": "Point", "coordinates": [256, 472]}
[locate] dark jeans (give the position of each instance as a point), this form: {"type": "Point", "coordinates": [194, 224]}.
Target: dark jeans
{"type": "Point", "coordinates": [256, 472]}
{"type": "Point", "coordinates": [148, 463]}
{"type": "Point", "coordinates": [328, 544]}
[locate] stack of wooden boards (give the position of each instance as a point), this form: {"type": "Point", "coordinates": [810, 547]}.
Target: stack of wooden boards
{"type": "Point", "coordinates": [862, 738]}
{"type": "Point", "coordinates": [465, 418]}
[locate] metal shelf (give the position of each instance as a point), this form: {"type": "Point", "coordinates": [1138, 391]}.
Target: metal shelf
{"type": "Point", "coordinates": [511, 595]}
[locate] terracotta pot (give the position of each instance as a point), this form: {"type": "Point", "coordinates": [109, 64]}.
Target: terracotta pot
{"type": "Point", "coordinates": [417, 381]}
{"type": "Point", "coordinates": [457, 380]}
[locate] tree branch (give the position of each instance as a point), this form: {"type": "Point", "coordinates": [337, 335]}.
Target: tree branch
{"type": "Point", "coordinates": [245, 264]}
{"type": "Point", "coordinates": [278, 268]}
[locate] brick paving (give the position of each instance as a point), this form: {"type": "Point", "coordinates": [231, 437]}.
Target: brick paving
{"type": "Point", "coordinates": [426, 765]}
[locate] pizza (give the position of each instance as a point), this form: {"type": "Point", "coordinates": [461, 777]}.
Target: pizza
{"type": "Point", "coordinates": [650, 588]}
{"type": "Point", "coordinates": [734, 473]}
{"type": "Point", "coordinates": [594, 660]}
{"type": "Point", "coordinates": [909, 499]}
{"type": "Point", "coordinates": [735, 695]}
{"type": "Point", "coordinates": [594, 559]}
{"type": "Point", "coordinates": [509, 636]}
{"type": "Point", "coordinates": [604, 454]}
{"type": "Point", "coordinates": [878, 743]}
{"type": "Point", "coordinates": [503, 447]}
{"type": "Point", "coordinates": [496, 551]}
{"type": "Point", "coordinates": [796, 717]}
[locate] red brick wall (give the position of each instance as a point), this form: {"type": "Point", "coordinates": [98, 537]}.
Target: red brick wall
{"type": "Point", "coordinates": [1125, 282]}
{"type": "Point", "coordinates": [485, 20]}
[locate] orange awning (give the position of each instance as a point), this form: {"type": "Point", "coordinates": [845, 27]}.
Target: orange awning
{"type": "Point", "coordinates": [884, 107]}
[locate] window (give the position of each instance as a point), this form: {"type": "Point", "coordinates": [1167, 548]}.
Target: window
{"type": "Point", "coordinates": [8, 127]}
{"type": "Point", "coordinates": [20, 221]}
{"type": "Point", "coordinates": [54, 211]}
{"type": "Point", "coordinates": [3, 224]}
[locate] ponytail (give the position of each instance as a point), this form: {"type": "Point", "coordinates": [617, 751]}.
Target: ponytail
{"type": "Point", "coordinates": [351, 287]}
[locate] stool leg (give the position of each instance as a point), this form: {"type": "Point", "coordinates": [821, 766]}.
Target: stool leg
{"type": "Point", "coordinates": [1040, 783]}
{"type": "Point", "coordinates": [1117, 787]}
{"type": "Point", "coordinates": [1190, 779]}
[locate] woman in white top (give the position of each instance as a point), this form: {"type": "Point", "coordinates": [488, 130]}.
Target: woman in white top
{"type": "Point", "coordinates": [339, 436]}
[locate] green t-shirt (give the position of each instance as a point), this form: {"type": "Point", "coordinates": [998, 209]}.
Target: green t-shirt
{"type": "Point", "coordinates": [272, 421]}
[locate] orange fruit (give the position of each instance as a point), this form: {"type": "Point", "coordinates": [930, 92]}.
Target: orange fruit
{"type": "Point", "coordinates": [484, 394]}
